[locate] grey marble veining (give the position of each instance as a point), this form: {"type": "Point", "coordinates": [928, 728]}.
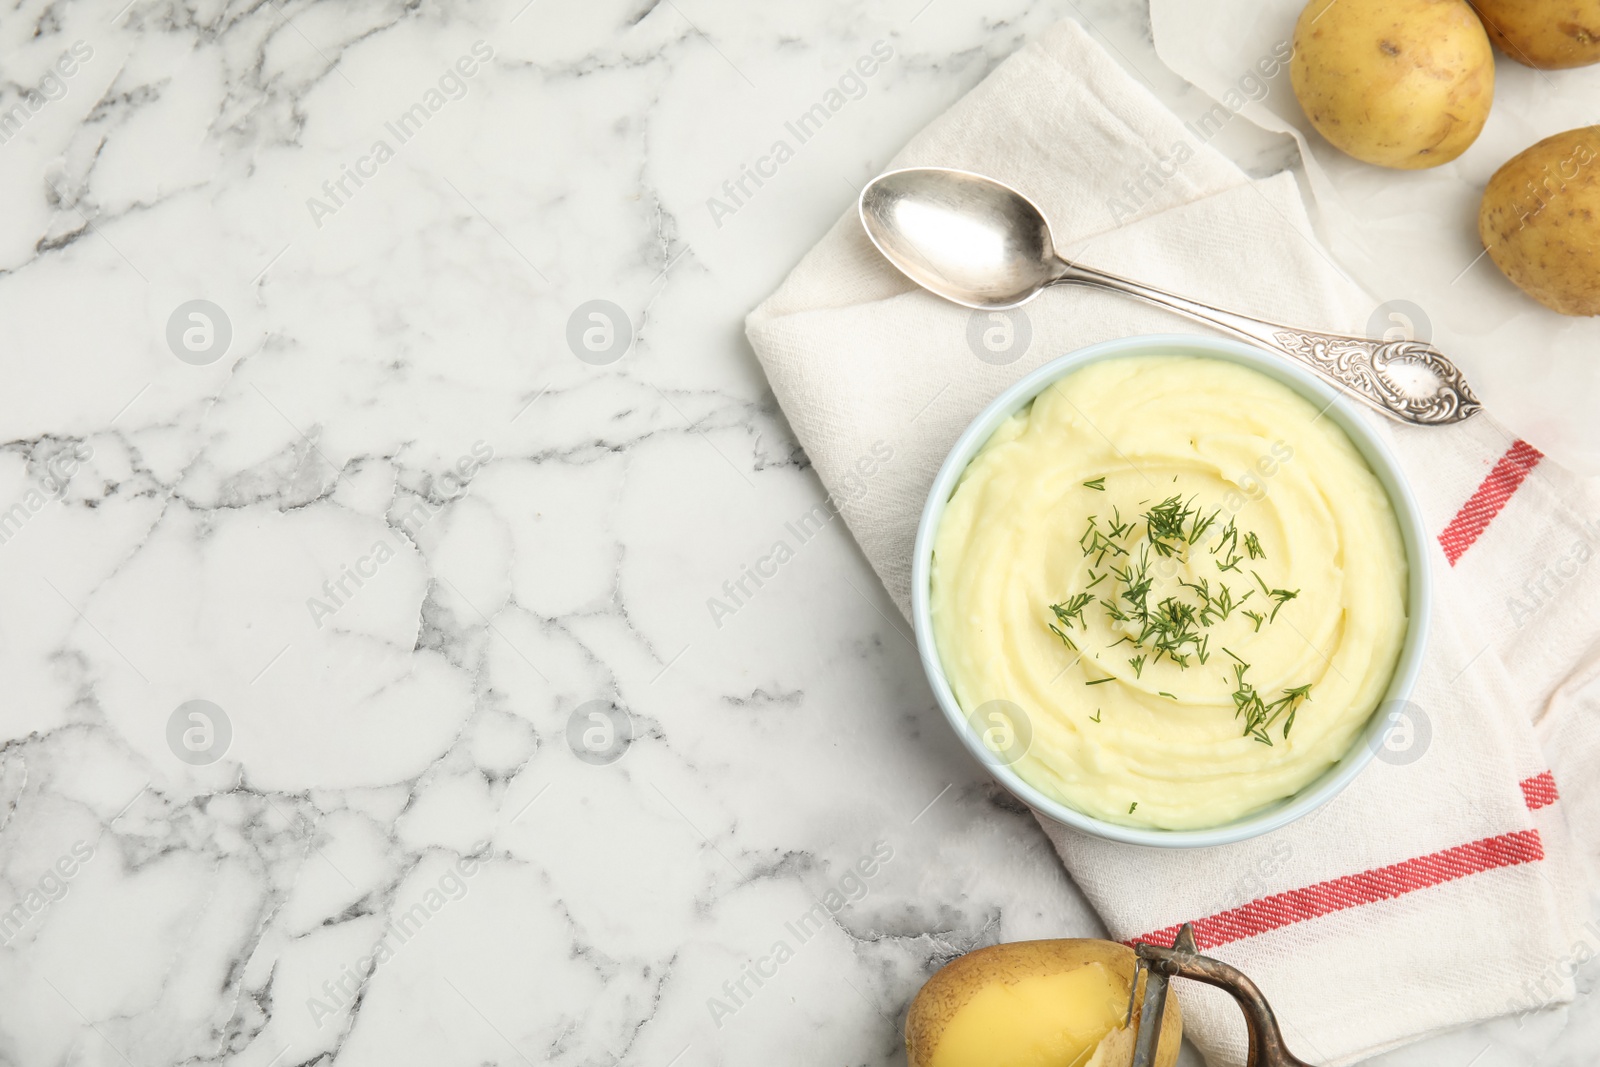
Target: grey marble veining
{"type": "Point", "coordinates": [378, 436]}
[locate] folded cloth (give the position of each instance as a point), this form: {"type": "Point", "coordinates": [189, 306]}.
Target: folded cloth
{"type": "Point", "coordinates": [1443, 886]}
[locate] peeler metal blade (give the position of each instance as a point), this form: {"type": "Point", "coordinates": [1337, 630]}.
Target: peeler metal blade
{"type": "Point", "coordinates": [1148, 1034]}
{"type": "Point", "coordinates": [1157, 962]}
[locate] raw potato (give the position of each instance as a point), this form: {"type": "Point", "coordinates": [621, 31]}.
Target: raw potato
{"type": "Point", "coordinates": [1548, 34]}
{"type": "Point", "coordinates": [1540, 221]}
{"type": "Point", "coordinates": [1033, 1004]}
{"type": "Point", "coordinates": [1399, 83]}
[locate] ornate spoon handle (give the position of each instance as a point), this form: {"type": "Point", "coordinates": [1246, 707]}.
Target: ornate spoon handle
{"type": "Point", "coordinates": [1409, 381]}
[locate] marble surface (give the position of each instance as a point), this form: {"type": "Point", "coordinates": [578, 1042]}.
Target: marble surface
{"type": "Point", "coordinates": [379, 434]}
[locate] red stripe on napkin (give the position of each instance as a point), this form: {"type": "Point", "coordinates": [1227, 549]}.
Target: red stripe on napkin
{"type": "Point", "coordinates": [1476, 514]}
{"type": "Point", "coordinates": [1353, 890]}
{"type": "Point", "coordinates": [1540, 791]}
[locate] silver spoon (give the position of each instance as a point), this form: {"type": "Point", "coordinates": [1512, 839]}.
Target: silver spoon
{"type": "Point", "coordinates": [982, 244]}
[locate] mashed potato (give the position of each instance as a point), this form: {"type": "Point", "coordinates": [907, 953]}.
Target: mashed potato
{"type": "Point", "coordinates": [1168, 591]}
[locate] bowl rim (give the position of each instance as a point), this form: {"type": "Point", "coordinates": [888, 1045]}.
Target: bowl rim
{"type": "Point", "coordinates": [1379, 457]}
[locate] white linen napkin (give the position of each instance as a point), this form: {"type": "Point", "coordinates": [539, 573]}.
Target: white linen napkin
{"type": "Point", "coordinates": [1442, 887]}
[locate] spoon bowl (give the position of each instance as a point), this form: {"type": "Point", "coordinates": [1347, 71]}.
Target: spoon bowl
{"type": "Point", "coordinates": [962, 236]}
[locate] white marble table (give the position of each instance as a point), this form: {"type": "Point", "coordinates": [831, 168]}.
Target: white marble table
{"type": "Point", "coordinates": [319, 595]}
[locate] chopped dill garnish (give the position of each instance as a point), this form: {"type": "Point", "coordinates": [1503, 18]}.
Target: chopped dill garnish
{"type": "Point", "coordinates": [1135, 804]}
{"type": "Point", "coordinates": [1072, 609]}
{"type": "Point", "coordinates": [1131, 581]}
{"type": "Point", "coordinates": [1164, 524]}
{"type": "Point", "coordinates": [1215, 608]}
{"type": "Point", "coordinates": [1097, 544]}
{"type": "Point", "coordinates": [1293, 697]}
{"type": "Point", "coordinates": [1282, 596]}
{"type": "Point", "coordinates": [1227, 536]}
{"type": "Point", "coordinates": [1259, 715]}
{"type": "Point", "coordinates": [1118, 527]}
{"type": "Point", "coordinates": [1247, 704]}
{"type": "Point", "coordinates": [1096, 716]}
{"type": "Point", "coordinates": [1098, 483]}
{"type": "Point", "coordinates": [1199, 525]}
{"type": "Point", "coordinates": [1065, 613]}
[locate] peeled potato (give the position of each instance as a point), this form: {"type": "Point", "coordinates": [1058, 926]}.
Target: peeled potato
{"type": "Point", "coordinates": [1033, 1004]}
{"type": "Point", "coordinates": [1548, 34]}
{"type": "Point", "coordinates": [1399, 83]}
{"type": "Point", "coordinates": [1540, 221]}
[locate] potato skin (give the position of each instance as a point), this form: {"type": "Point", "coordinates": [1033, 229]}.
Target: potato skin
{"type": "Point", "coordinates": [1540, 221]}
{"type": "Point", "coordinates": [1401, 83]}
{"type": "Point", "coordinates": [954, 983]}
{"type": "Point", "coordinates": [1547, 34]}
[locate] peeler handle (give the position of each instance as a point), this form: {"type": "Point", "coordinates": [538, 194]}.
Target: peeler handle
{"type": "Point", "coordinates": [1267, 1048]}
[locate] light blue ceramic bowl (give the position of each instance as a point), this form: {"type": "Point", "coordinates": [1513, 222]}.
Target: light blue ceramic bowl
{"type": "Point", "coordinates": [1378, 457]}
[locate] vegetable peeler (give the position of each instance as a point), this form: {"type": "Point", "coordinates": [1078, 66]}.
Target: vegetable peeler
{"type": "Point", "coordinates": [1157, 964]}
